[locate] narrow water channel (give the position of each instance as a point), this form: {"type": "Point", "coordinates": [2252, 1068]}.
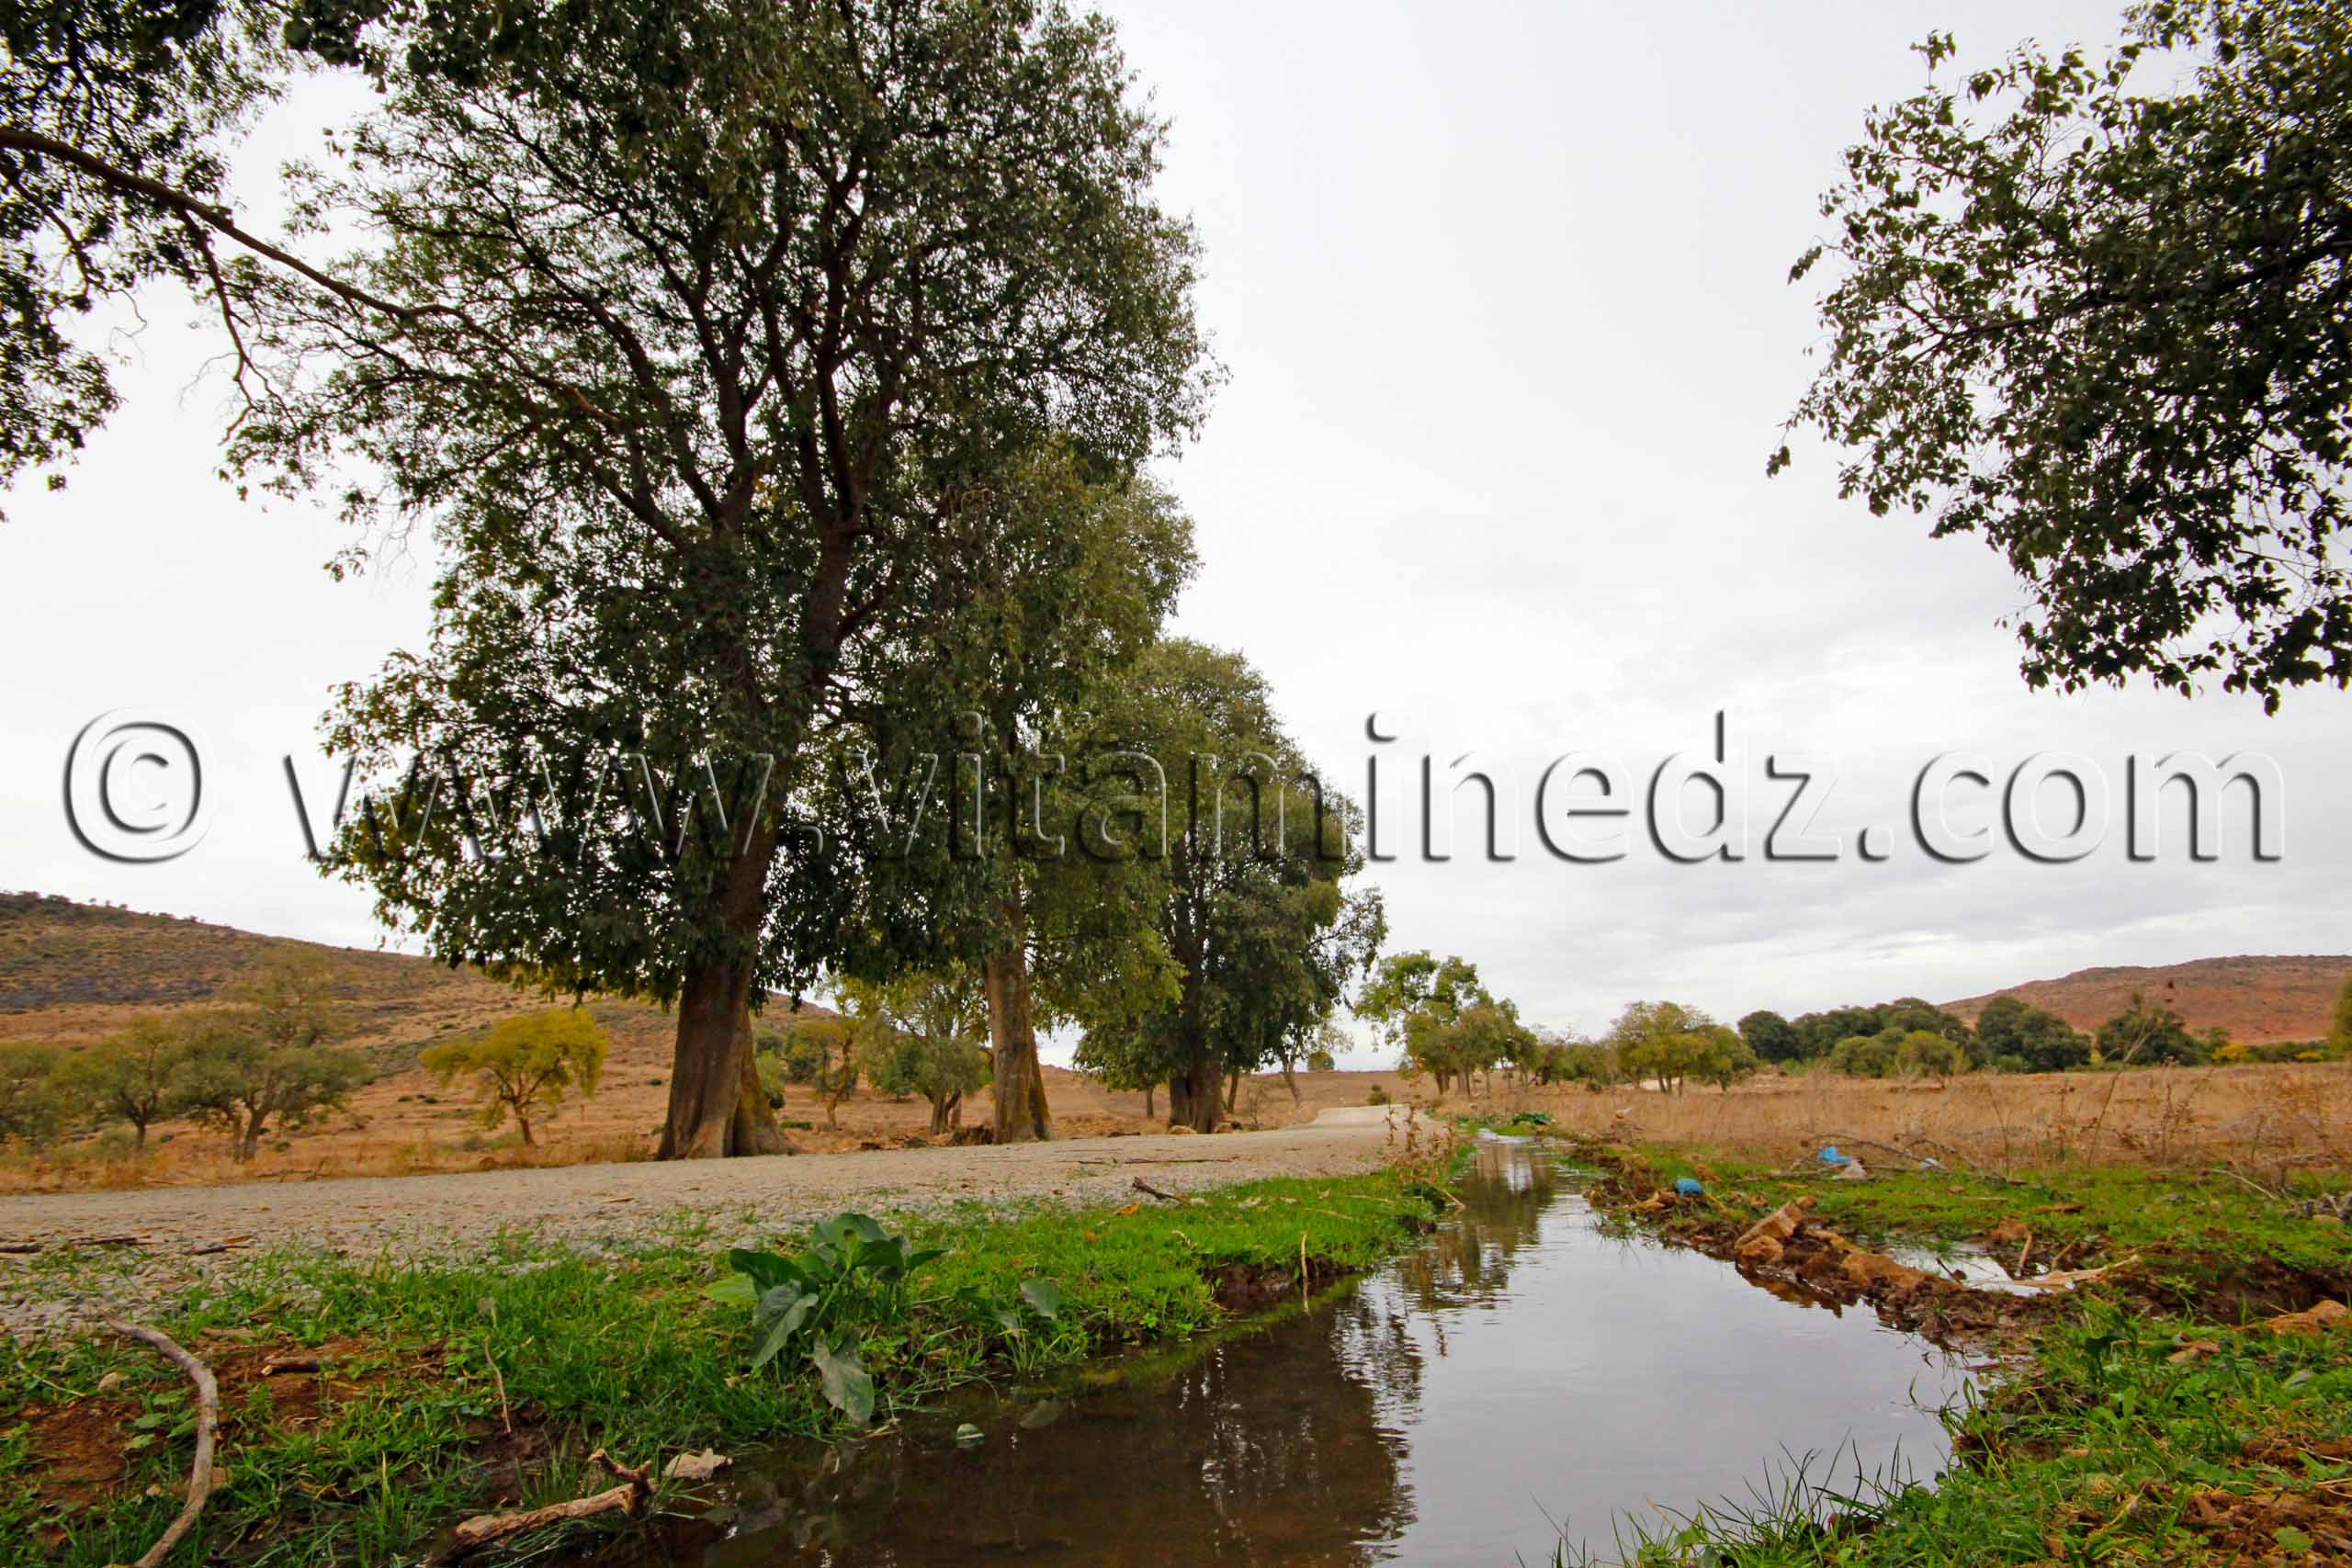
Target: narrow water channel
{"type": "Point", "coordinates": [1520, 1374]}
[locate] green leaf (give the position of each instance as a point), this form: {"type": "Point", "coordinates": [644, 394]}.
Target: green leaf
{"type": "Point", "coordinates": [2291, 1540]}
{"type": "Point", "coordinates": [767, 1269]}
{"type": "Point", "coordinates": [849, 1388]}
{"type": "Point", "coordinates": [736, 1290]}
{"type": "Point", "coordinates": [780, 1333]}
{"type": "Point", "coordinates": [774, 1303]}
{"type": "Point", "coordinates": [1044, 1297]}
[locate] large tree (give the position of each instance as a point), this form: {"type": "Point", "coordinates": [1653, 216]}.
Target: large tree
{"type": "Point", "coordinates": [1252, 857]}
{"type": "Point", "coordinates": [2110, 330]}
{"type": "Point", "coordinates": [980, 700]}
{"type": "Point", "coordinates": [718, 316]}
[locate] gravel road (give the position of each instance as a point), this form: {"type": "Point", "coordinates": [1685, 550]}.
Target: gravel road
{"type": "Point", "coordinates": [184, 1233]}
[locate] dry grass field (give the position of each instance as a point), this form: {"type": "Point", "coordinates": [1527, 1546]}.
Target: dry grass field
{"type": "Point", "coordinates": [2265, 1120]}
{"type": "Point", "coordinates": [71, 973]}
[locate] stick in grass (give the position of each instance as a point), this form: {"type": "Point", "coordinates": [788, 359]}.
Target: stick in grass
{"type": "Point", "coordinates": [208, 1417]}
{"type": "Point", "coordinates": [489, 1530]}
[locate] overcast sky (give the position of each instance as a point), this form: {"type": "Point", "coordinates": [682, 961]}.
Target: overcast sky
{"type": "Point", "coordinates": [1501, 291]}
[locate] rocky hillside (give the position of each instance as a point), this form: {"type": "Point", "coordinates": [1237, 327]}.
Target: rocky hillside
{"type": "Point", "coordinates": [2256, 999]}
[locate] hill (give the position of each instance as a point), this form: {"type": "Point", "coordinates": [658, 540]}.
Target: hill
{"type": "Point", "coordinates": [2256, 999]}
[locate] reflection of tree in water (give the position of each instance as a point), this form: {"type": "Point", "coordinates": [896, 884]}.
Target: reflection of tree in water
{"type": "Point", "coordinates": [1284, 1446]}
{"type": "Point", "coordinates": [1468, 1260]}
{"type": "Point", "coordinates": [1268, 1449]}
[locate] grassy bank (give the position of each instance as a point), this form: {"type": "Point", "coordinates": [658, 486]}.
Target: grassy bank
{"type": "Point", "coordinates": [2151, 1417]}
{"type": "Point", "coordinates": [441, 1389]}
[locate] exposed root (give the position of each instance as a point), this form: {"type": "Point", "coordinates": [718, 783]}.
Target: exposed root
{"type": "Point", "coordinates": [208, 1422]}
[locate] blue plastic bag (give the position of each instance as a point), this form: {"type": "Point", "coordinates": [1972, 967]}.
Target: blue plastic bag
{"type": "Point", "coordinates": [1688, 1188]}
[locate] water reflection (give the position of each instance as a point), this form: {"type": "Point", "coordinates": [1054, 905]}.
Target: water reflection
{"type": "Point", "coordinates": [1519, 1367]}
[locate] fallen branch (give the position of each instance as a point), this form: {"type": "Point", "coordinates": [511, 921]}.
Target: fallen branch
{"type": "Point", "coordinates": [207, 1418]}
{"type": "Point", "coordinates": [489, 1530]}
{"type": "Point", "coordinates": [1149, 1190]}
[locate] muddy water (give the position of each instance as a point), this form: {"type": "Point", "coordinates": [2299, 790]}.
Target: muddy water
{"type": "Point", "coordinates": [1521, 1369]}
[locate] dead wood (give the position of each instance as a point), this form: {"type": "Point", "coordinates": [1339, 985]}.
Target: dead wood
{"type": "Point", "coordinates": [208, 1420]}
{"type": "Point", "coordinates": [488, 1530]}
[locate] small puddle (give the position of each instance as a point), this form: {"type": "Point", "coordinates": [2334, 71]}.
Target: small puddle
{"type": "Point", "coordinates": [1521, 1368]}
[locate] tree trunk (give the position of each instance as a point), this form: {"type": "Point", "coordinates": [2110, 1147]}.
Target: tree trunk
{"type": "Point", "coordinates": [524, 1122]}
{"type": "Point", "coordinates": [1233, 1091]}
{"type": "Point", "coordinates": [717, 1106]}
{"type": "Point", "coordinates": [1020, 1082]}
{"type": "Point", "coordinates": [248, 1142]}
{"type": "Point", "coordinates": [1151, 1092]}
{"type": "Point", "coordinates": [1291, 1079]}
{"type": "Point", "coordinates": [946, 1112]}
{"type": "Point", "coordinates": [1195, 1097]}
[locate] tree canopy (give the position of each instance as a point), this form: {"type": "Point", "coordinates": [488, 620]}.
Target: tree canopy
{"type": "Point", "coordinates": [714, 323]}
{"type": "Point", "coordinates": [1261, 934]}
{"type": "Point", "coordinates": [2103, 324]}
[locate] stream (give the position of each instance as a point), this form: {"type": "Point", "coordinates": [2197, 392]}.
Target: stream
{"type": "Point", "coordinates": [1520, 1376]}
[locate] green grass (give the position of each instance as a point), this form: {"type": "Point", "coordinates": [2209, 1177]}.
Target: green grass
{"type": "Point", "coordinates": [2201, 1235]}
{"type": "Point", "coordinates": [619, 1350]}
{"type": "Point", "coordinates": [2095, 1446]}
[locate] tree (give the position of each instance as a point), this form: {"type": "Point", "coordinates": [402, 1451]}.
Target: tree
{"type": "Point", "coordinates": [293, 1000]}
{"type": "Point", "coordinates": [1320, 1048]}
{"type": "Point", "coordinates": [524, 1066]}
{"type": "Point", "coordinates": [2339, 1035]}
{"type": "Point", "coordinates": [1867, 1055]}
{"type": "Point", "coordinates": [1671, 1043]}
{"type": "Point", "coordinates": [2106, 332]}
{"type": "Point", "coordinates": [30, 1107]}
{"type": "Point", "coordinates": [1254, 919]}
{"type": "Point", "coordinates": [1412, 1000]}
{"type": "Point", "coordinates": [131, 1075]}
{"type": "Point", "coordinates": [921, 1034]}
{"type": "Point", "coordinates": [1081, 575]}
{"type": "Point", "coordinates": [717, 321]}
{"type": "Point", "coordinates": [2145, 1034]}
{"type": "Point", "coordinates": [1771, 1037]}
{"type": "Point", "coordinates": [2040, 1039]}
{"type": "Point", "coordinates": [1923, 1053]}
{"type": "Point", "coordinates": [830, 1045]}
{"type": "Point", "coordinates": [115, 119]}
{"type": "Point", "coordinates": [237, 1077]}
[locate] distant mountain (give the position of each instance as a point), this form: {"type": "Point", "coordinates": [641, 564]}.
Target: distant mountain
{"type": "Point", "coordinates": [2256, 999]}
{"type": "Point", "coordinates": [71, 973]}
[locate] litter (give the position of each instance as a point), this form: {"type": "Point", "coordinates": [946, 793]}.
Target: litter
{"type": "Point", "coordinates": [1688, 1188]}
{"type": "Point", "coordinates": [1829, 1155]}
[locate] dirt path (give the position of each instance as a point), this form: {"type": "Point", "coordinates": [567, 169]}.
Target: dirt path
{"type": "Point", "coordinates": [181, 1231]}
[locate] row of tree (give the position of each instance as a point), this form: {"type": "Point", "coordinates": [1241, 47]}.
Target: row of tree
{"type": "Point", "coordinates": [263, 1062]}
{"type": "Point", "coordinates": [267, 1061]}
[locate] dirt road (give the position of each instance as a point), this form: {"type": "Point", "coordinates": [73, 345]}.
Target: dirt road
{"type": "Point", "coordinates": [184, 1231]}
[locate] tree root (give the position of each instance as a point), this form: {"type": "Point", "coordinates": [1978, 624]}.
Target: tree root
{"type": "Point", "coordinates": [208, 1420]}
{"type": "Point", "coordinates": [489, 1530]}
